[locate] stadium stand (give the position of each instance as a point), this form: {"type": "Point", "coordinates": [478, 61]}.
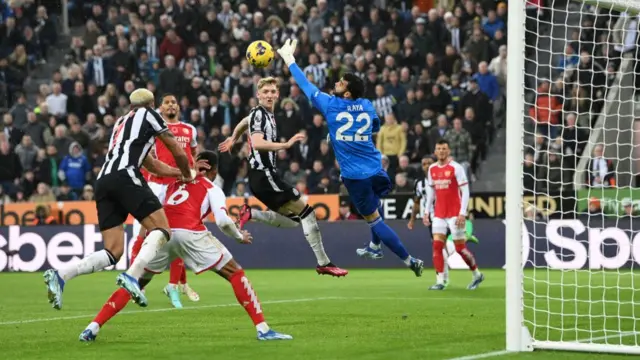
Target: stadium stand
{"type": "Point", "coordinates": [439, 73]}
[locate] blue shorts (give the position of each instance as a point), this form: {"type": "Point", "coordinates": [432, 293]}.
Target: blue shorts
{"type": "Point", "coordinates": [365, 194]}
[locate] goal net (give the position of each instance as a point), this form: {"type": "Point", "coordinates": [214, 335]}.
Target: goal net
{"type": "Point", "coordinates": [573, 243]}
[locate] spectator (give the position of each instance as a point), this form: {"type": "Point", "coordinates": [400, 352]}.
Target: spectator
{"type": "Point", "coordinates": [498, 67]}
{"type": "Point", "coordinates": [417, 143]}
{"type": "Point", "coordinates": [11, 133]}
{"type": "Point", "coordinates": [487, 82]}
{"type": "Point", "coordinates": [43, 194]}
{"type": "Point", "coordinates": [383, 103]}
{"type": "Point", "coordinates": [528, 174]}
{"type": "Point", "coordinates": [600, 170]}
{"type": "Point", "coordinates": [461, 144]}
{"type": "Point", "coordinates": [4, 197]}
{"type": "Point", "coordinates": [491, 24]}
{"type": "Point", "coordinates": [27, 153]}
{"type": "Point", "coordinates": [87, 193]}
{"type": "Point", "coordinates": [61, 141]}
{"type": "Point", "coordinates": [65, 193]}
{"type": "Point", "coordinates": [410, 172]}
{"type": "Point", "coordinates": [402, 184]}
{"type": "Point", "coordinates": [550, 177]}
{"type": "Point", "coordinates": [10, 167]}
{"type": "Point", "coordinates": [391, 140]}
{"type": "Point", "coordinates": [294, 174]}
{"type": "Point", "coordinates": [19, 111]}
{"type": "Point", "coordinates": [57, 101]}
{"type": "Point", "coordinates": [75, 168]}
{"type": "Point", "coordinates": [344, 212]}
{"type": "Point", "coordinates": [46, 166]}
{"type": "Point", "coordinates": [546, 111]}
{"type": "Point", "coordinates": [43, 216]}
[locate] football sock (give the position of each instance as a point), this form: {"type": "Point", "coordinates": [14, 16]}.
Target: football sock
{"type": "Point", "coordinates": [375, 240]}
{"type": "Point", "coordinates": [389, 238]}
{"type": "Point", "coordinates": [445, 256]}
{"type": "Point", "coordinates": [468, 257]}
{"type": "Point", "coordinates": [135, 249]}
{"type": "Point", "coordinates": [92, 263]}
{"type": "Point", "coordinates": [312, 234]}
{"type": "Point", "coordinates": [183, 275]}
{"type": "Point", "coordinates": [248, 298]}
{"type": "Point", "coordinates": [154, 241]}
{"type": "Point", "coordinates": [175, 271]}
{"type": "Point", "coordinates": [273, 218]}
{"type": "Point", "coordinates": [438, 259]}
{"type": "Point", "coordinates": [116, 302]}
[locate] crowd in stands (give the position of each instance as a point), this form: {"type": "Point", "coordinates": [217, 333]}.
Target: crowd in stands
{"type": "Point", "coordinates": [439, 74]}
{"type": "Point", "coordinates": [566, 107]}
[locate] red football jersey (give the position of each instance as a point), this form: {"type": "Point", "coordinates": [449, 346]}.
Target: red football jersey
{"type": "Point", "coordinates": [446, 181]}
{"type": "Point", "coordinates": [185, 134]}
{"type": "Point", "coordinates": [187, 204]}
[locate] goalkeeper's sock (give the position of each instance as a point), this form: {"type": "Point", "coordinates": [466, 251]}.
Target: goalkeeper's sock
{"type": "Point", "coordinates": [248, 298]}
{"type": "Point", "coordinates": [92, 263]}
{"type": "Point", "coordinates": [389, 238]}
{"type": "Point", "coordinates": [375, 240]}
{"type": "Point", "coordinates": [274, 219]}
{"type": "Point", "coordinates": [175, 271]}
{"type": "Point", "coordinates": [154, 241]}
{"type": "Point", "coordinates": [467, 256]}
{"type": "Point", "coordinates": [116, 302]}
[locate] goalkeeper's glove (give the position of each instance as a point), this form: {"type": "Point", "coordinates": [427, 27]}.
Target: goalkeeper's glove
{"type": "Point", "coordinates": [287, 50]}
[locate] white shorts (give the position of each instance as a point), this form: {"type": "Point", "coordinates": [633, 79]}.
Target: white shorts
{"type": "Point", "coordinates": [201, 251]}
{"type": "Point", "coordinates": [157, 190]}
{"type": "Point", "coordinates": [440, 226]}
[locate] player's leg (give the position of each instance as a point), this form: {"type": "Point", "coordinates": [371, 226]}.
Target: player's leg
{"type": "Point", "coordinates": [119, 299]}
{"type": "Point", "coordinates": [145, 207]}
{"type": "Point", "coordinates": [439, 229]}
{"type": "Point", "coordinates": [110, 217]}
{"type": "Point", "coordinates": [458, 235]}
{"type": "Point", "coordinates": [266, 217]}
{"type": "Point", "coordinates": [366, 194]}
{"type": "Point", "coordinates": [202, 252]}
{"type": "Point", "coordinates": [312, 233]}
{"type": "Point", "coordinates": [374, 249]}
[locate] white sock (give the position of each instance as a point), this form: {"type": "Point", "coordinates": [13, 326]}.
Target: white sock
{"type": "Point", "coordinates": [477, 273]}
{"type": "Point", "coordinates": [152, 243]}
{"type": "Point", "coordinates": [273, 218]}
{"type": "Point", "coordinates": [445, 254]}
{"type": "Point", "coordinates": [262, 327]}
{"type": "Point", "coordinates": [440, 278]}
{"type": "Point", "coordinates": [94, 327]}
{"type": "Point", "coordinates": [313, 236]}
{"type": "Point", "coordinates": [407, 261]}
{"type": "Point", "coordinates": [92, 263]}
{"type": "Point", "coordinates": [136, 228]}
{"type": "Point", "coordinates": [374, 246]}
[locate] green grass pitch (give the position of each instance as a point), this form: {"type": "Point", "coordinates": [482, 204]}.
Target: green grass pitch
{"type": "Point", "coordinates": [371, 314]}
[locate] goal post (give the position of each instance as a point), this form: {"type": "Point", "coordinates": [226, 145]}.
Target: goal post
{"type": "Point", "coordinates": [570, 280]}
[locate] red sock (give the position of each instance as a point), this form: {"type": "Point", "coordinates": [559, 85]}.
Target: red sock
{"type": "Point", "coordinates": [183, 274]}
{"type": "Point", "coordinates": [136, 248]}
{"type": "Point", "coordinates": [116, 302]}
{"type": "Point", "coordinates": [246, 296]}
{"type": "Point", "coordinates": [438, 258]}
{"type": "Point", "coordinates": [175, 271]}
{"type": "Point", "coordinates": [467, 256]}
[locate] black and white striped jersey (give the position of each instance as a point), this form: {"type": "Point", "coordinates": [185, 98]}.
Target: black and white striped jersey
{"type": "Point", "coordinates": [420, 190]}
{"type": "Point", "coordinates": [384, 105]}
{"type": "Point", "coordinates": [132, 138]}
{"type": "Point", "coordinates": [262, 121]}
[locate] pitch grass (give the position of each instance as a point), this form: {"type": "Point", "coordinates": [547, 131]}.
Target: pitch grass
{"type": "Point", "coordinates": [371, 314]}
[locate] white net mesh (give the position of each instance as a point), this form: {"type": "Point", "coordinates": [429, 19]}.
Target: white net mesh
{"type": "Point", "coordinates": [580, 164]}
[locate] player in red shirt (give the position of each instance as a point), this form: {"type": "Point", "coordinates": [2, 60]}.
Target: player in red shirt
{"type": "Point", "coordinates": [185, 134]}
{"type": "Point", "coordinates": [186, 205]}
{"type": "Point", "coordinates": [448, 184]}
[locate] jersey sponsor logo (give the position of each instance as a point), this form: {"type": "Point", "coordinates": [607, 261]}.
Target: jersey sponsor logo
{"type": "Point", "coordinates": [441, 184]}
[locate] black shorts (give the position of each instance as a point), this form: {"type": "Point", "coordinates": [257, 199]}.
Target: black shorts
{"type": "Point", "coordinates": [267, 187]}
{"type": "Point", "coordinates": [121, 193]}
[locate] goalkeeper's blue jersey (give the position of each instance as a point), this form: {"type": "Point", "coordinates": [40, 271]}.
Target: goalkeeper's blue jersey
{"type": "Point", "coordinates": [351, 126]}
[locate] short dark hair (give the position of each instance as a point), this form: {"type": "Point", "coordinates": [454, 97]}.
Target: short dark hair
{"type": "Point", "coordinates": [169, 94]}
{"type": "Point", "coordinates": [355, 85]}
{"type": "Point", "coordinates": [442, 141]}
{"type": "Point", "coordinates": [210, 157]}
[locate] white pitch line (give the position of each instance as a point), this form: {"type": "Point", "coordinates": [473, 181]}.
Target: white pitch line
{"type": "Point", "coordinates": [483, 355]}
{"type": "Point", "coordinates": [285, 301]}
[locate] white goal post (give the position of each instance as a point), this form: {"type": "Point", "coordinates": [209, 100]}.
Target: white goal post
{"type": "Point", "coordinates": [588, 303]}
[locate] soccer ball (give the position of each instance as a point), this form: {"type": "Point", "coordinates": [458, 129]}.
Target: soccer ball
{"type": "Point", "coordinates": [260, 54]}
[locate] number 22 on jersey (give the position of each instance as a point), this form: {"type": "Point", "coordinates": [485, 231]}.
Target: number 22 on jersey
{"type": "Point", "coordinates": [362, 122]}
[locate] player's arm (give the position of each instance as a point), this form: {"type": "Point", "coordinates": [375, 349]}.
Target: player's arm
{"type": "Point", "coordinates": [319, 99]}
{"type": "Point", "coordinates": [162, 132]}
{"type": "Point", "coordinates": [218, 204]}
{"type": "Point", "coordinates": [257, 123]}
{"type": "Point", "coordinates": [240, 129]}
{"type": "Point", "coordinates": [431, 195]}
{"type": "Point", "coordinates": [463, 185]}
{"type": "Point", "coordinates": [159, 168]}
